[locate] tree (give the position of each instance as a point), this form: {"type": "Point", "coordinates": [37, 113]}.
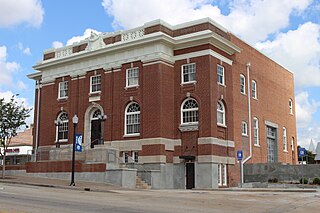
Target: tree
{"type": "Point", "coordinates": [12, 117]}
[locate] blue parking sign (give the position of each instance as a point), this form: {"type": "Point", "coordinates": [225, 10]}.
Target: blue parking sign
{"type": "Point", "coordinates": [239, 155]}
{"type": "Point", "coordinates": [302, 152]}
{"type": "Point", "coordinates": [78, 143]}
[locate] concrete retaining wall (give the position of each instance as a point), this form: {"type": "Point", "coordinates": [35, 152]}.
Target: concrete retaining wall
{"type": "Point", "coordinates": [283, 173]}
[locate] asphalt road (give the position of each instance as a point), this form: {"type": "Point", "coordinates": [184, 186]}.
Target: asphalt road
{"type": "Point", "coordinates": [22, 198]}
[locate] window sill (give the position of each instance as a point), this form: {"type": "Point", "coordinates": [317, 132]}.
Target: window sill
{"type": "Point", "coordinates": [254, 98]}
{"type": "Point", "coordinates": [131, 135]}
{"type": "Point", "coordinates": [221, 125]}
{"type": "Point", "coordinates": [62, 141]}
{"type": "Point", "coordinates": [292, 114]}
{"type": "Point", "coordinates": [223, 85]}
{"type": "Point", "coordinates": [243, 94]}
{"type": "Point", "coordinates": [188, 127]}
{"type": "Point", "coordinates": [132, 87]}
{"type": "Point", "coordinates": [62, 98]}
{"type": "Point", "coordinates": [257, 145]}
{"type": "Point", "coordinates": [188, 83]}
{"type": "Point", "coordinates": [243, 135]}
{"type": "Point", "coordinates": [285, 151]}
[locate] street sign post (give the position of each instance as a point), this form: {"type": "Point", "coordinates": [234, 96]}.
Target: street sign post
{"type": "Point", "coordinates": [239, 157]}
{"type": "Point", "coordinates": [301, 153]}
{"type": "Point", "coordinates": [78, 142]}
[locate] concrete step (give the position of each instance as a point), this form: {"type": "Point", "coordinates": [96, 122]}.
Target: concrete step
{"type": "Point", "coordinates": [140, 184]}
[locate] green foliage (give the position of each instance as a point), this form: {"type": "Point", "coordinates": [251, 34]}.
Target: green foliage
{"type": "Point", "coordinates": [12, 116]}
{"type": "Point", "coordinates": [303, 181]}
{"type": "Point", "coordinates": [273, 180]}
{"type": "Point", "coordinates": [316, 181]}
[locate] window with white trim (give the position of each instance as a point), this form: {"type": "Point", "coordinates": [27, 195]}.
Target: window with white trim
{"type": "Point", "coordinates": [291, 106]}
{"type": "Point", "coordinates": [62, 128]}
{"type": "Point", "coordinates": [63, 89]}
{"type": "Point", "coordinates": [188, 73]}
{"type": "Point", "coordinates": [222, 175]}
{"type": "Point", "coordinates": [285, 146]}
{"type": "Point", "coordinates": [132, 119]}
{"type": "Point", "coordinates": [221, 114]}
{"type": "Point", "coordinates": [95, 83]}
{"type": "Point", "coordinates": [242, 84]}
{"type": "Point", "coordinates": [220, 75]}
{"type": "Point", "coordinates": [256, 131]}
{"type": "Point", "coordinates": [135, 156]}
{"type": "Point", "coordinates": [244, 128]}
{"type": "Point", "coordinates": [292, 144]}
{"type": "Point", "coordinates": [132, 77]}
{"type": "Point", "coordinates": [254, 89]}
{"type": "Point", "coordinates": [189, 112]}
{"type": "Point", "coordinates": [125, 156]}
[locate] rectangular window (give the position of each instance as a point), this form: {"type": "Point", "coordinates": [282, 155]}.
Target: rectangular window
{"type": "Point", "coordinates": [242, 84]}
{"type": "Point", "coordinates": [244, 128]}
{"type": "Point", "coordinates": [95, 84]}
{"type": "Point", "coordinates": [132, 75]}
{"type": "Point", "coordinates": [222, 175]}
{"type": "Point", "coordinates": [125, 156]}
{"type": "Point", "coordinates": [188, 73]}
{"type": "Point", "coordinates": [133, 123]}
{"type": "Point", "coordinates": [135, 156]}
{"type": "Point", "coordinates": [220, 74]}
{"type": "Point", "coordinates": [256, 131]}
{"type": "Point", "coordinates": [285, 148]}
{"type": "Point", "coordinates": [63, 131]}
{"type": "Point", "coordinates": [63, 89]}
{"type": "Point", "coordinates": [254, 90]}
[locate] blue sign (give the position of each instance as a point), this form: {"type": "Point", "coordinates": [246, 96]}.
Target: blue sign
{"type": "Point", "coordinates": [302, 152]}
{"type": "Point", "coordinates": [78, 143]}
{"type": "Point", "coordinates": [239, 155]}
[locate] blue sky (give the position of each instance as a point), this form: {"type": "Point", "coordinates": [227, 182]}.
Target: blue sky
{"type": "Point", "coordinates": [287, 31]}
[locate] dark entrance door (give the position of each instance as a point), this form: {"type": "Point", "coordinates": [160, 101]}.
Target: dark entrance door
{"type": "Point", "coordinates": [189, 175]}
{"type": "Point", "coordinates": [95, 132]}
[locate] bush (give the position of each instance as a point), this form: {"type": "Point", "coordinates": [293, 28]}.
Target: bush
{"type": "Point", "coordinates": [304, 181]}
{"type": "Point", "coordinates": [273, 180]}
{"type": "Point", "coordinates": [316, 181]}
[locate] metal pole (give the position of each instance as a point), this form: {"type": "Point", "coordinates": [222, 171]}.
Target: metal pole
{"type": "Point", "coordinates": [241, 177]}
{"type": "Point", "coordinates": [73, 154]}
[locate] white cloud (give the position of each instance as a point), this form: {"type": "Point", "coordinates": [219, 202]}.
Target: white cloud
{"type": "Point", "coordinates": [299, 51]}
{"type": "Point", "coordinates": [15, 12]}
{"type": "Point", "coordinates": [7, 96]}
{"type": "Point", "coordinates": [305, 108]}
{"type": "Point", "coordinates": [306, 134]}
{"type": "Point", "coordinates": [253, 20]}
{"type": "Point", "coordinates": [85, 35]}
{"type": "Point", "coordinates": [57, 44]}
{"type": "Point", "coordinates": [21, 85]}
{"type": "Point", "coordinates": [25, 50]}
{"type": "Point", "coordinates": [6, 68]}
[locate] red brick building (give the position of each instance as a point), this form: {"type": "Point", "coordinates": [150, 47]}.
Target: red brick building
{"type": "Point", "coordinates": [180, 100]}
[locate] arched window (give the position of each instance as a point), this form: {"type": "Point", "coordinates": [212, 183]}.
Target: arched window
{"type": "Point", "coordinates": [291, 106]}
{"type": "Point", "coordinates": [244, 128]}
{"type": "Point", "coordinates": [96, 114]}
{"type": "Point", "coordinates": [256, 131]}
{"type": "Point", "coordinates": [285, 147]}
{"type": "Point", "coordinates": [221, 114]}
{"type": "Point", "coordinates": [254, 89]}
{"type": "Point", "coordinates": [189, 112]}
{"type": "Point", "coordinates": [132, 119]}
{"type": "Point", "coordinates": [62, 126]}
{"type": "Point", "coordinates": [242, 84]}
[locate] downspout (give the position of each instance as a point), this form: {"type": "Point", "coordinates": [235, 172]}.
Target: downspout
{"type": "Point", "coordinates": [249, 121]}
{"type": "Point", "coordinates": [38, 87]}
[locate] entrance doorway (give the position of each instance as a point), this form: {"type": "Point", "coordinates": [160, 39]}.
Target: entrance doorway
{"type": "Point", "coordinates": [96, 130]}
{"type": "Point", "coordinates": [190, 175]}
{"type": "Point", "coordinates": [272, 144]}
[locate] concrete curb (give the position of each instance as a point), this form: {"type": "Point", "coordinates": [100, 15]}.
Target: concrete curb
{"type": "Point", "coordinates": [260, 190]}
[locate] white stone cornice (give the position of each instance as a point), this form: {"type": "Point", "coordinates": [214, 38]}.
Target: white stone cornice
{"type": "Point", "coordinates": [202, 53]}
{"type": "Point", "coordinates": [216, 141]}
{"type": "Point", "coordinates": [215, 159]}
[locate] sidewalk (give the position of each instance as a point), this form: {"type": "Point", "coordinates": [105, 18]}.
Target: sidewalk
{"type": "Point", "coordinates": [62, 184]}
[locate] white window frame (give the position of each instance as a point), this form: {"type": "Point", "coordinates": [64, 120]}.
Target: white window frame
{"type": "Point", "coordinates": [254, 89]}
{"type": "Point", "coordinates": [292, 144]}
{"type": "Point", "coordinates": [291, 106]}
{"type": "Point", "coordinates": [284, 138]}
{"type": "Point", "coordinates": [220, 68]}
{"type": "Point", "coordinates": [134, 78]}
{"type": "Point", "coordinates": [242, 84]}
{"type": "Point", "coordinates": [244, 128]}
{"type": "Point", "coordinates": [182, 73]}
{"type": "Point", "coordinates": [91, 84]}
{"type": "Point", "coordinates": [196, 109]}
{"type": "Point", "coordinates": [127, 114]}
{"type": "Point", "coordinates": [222, 175]}
{"type": "Point", "coordinates": [256, 131]}
{"type": "Point", "coordinates": [63, 88]}
{"type": "Point", "coordinates": [223, 112]}
{"type": "Point", "coordinates": [135, 156]}
{"type": "Point", "coordinates": [64, 123]}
